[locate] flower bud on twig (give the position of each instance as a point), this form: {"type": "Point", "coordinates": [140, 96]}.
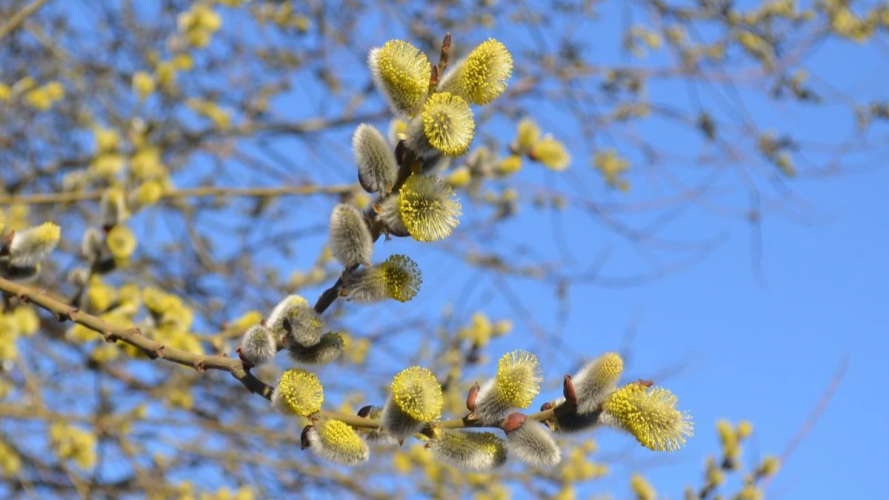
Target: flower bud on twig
{"type": "Point", "coordinates": [326, 350]}
{"type": "Point", "coordinates": [467, 450]}
{"type": "Point", "coordinates": [350, 240]}
{"type": "Point", "coordinates": [415, 400]}
{"type": "Point", "coordinates": [258, 345]}
{"type": "Point", "coordinates": [337, 442]}
{"type": "Point", "coordinates": [516, 384]}
{"type": "Point", "coordinates": [377, 169]}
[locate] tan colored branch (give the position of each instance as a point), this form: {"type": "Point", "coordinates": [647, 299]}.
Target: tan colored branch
{"type": "Point", "coordinates": [20, 16]}
{"type": "Point", "coordinates": [201, 363]}
{"type": "Point", "coordinates": [50, 198]}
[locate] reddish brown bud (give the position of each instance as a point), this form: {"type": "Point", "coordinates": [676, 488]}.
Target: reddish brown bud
{"type": "Point", "coordinates": [471, 397]}
{"type": "Point", "coordinates": [568, 391]}
{"type": "Point", "coordinates": [513, 422]}
{"type": "Point", "coordinates": [546, 406]}
{"type": "Point", "coordinates": [365, 411]}
{"type": "Point", "coordinates": [645, 383]}
{"type": "Point", "coordinates": [304, 437]}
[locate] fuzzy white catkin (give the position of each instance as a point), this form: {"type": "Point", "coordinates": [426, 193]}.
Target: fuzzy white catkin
{"type": "Point", "coordinates": [388, 214]}
{"type": "Point", "coordinates": [366, 285]}
{"type": "Point", "coordinates": [595, 381]}
{"type": "Point", "coordinates": [276, 318]}
{"type": "Point", "coordinates": [396, 422]}
{"type": "Point", "coordinates": [112, 208]}
{"type": "Point", "coordinates": [258, 345]}
{"type": "Point", "coordinates": [30, 246]}
{"type": "Point", "coordinates": [376, 435]}
{"type": "Point", "coordinates": [532, 443]}
{"type": "Point", "coordinates": [469, 451]}
{"type": "Point", "coordinates": [417, 141]}
{"type": "Point", "coordinates": [490, 408]}
{"type": "Point", "coordinates": [351, 452]}
{"type": "Point", "coordinates": [20, 274]}
{"type": "Point", "coordinates": [305, 324]}
{"type": "Point", "coordinates": [377, 169]}
{"type": "Point", "coordinates": [92, 245]}
{"type": "Point", "coordinates": [350, 240]}
{"type": "Point", "coordinates": [326, 350]}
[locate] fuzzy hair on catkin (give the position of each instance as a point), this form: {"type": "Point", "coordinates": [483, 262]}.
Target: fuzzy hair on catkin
{"type": "Point", "coordinates": [467, 450]}
{"type": "Point", "coordinates": [337, 442]}
{"type": "Point", "coordinates": [376, 435]}
{"type": "Point", "coordinates": [377, 169]}
{"type": "Point", "coordinates": [389, 215]}
{"type": "Point", "coordinates": [398, 278]}
{"type": "Point", "coordinates": [350, 240]}
{"type": "Point", "coordinates": [19, 274]}
{"type": "Point", "coordinates": [515, 385]}
{"type": "Point", "coordinates": [533, 444]}
{"type": "Point", "coordinates": [113, 208]}
{"type": "Point", "coordinates": [32, 245]}
{"type": "Point", "coordinates": [416, 140]}
{"type": "Point", "coordinates": [595, 381]}
{"type": "Point", "coordinates": [397, 423]}
{"type": "Point", "coordinates": [305, 326]}
{"type": "Point", "coordinates": [569, 421]}
{"type": "Point", "coordinates": [326, 350]}
{"type": "Point", "coordinates": [258, 345]}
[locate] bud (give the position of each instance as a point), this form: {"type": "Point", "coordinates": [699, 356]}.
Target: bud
{"type": "Point", "coordinates": [296, 321]}
{"type": "Point", "coordinates": [516, 384]}
{"type": "Point", "coordinates": [416, 399]}
{"type": "Point", "coordinates": [398, 278]}
{"type": "Point", "coordinates": [326, 350]}
{"type": "Point", "coordinates": [32, 245]}
{"type": "Point", "coordinates": [258, 345]}
{"type": "Point", "coordinates": [467, 450]}
{"type": "Point", "coordinates": [92, 246]}
{"type": "Point", "coordinates": [377, 169]}
{"type": "Point", "coordinates": [650, 415]}
{"type": "Point", "coordinates": [350, 240]}
{"type": "Point", "coordinates": [551, 153]}
{"type": "Point", "coordinates": [527, 136]}
{"type": "Point", "coordinates": [480, 77]}
{"type": "Point", "coordinates": [337, 442]}
{"type": "Point", "coordinates": [595, 381]}
{"type": "Point", "coordinates": [642, 488]}
{"type": "Point", "coordinates": [425, 207]}
{"type": "Point", "coordinates": [401, 73]}
{"type": "Point", "coordinates": [121, 242]}
{"type": "Point", "coordinates": [533, 444]}
{"type": "Point", "coordinates": [298, 392]}
{"type": "Point", "coordinates": [113, 208]}
{"type": "Point", "coordinates": [445, 127]}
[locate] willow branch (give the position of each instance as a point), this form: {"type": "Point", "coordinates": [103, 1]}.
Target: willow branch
{"type": "Point", "coordinates": [20, 17]}
{"type": "Point", "coordinates": [134, 337]}
{"type": "Point", "coordinates": [260, 192]}
{"type": "Point", "coordinates": [201, 363]}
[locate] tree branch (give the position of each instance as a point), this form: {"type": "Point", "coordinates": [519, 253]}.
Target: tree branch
{"type": "Point", "coordinates": [50, 198]}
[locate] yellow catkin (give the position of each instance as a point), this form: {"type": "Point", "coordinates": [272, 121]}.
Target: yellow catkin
{"type": "Point", "coordinates": [300, 392]}
{"type": "Point", "coordinates": [418, 394]}
{"type": "Point", "coordinates": [402, 74]}
{"type": "Point", "coordinates": [518, 378]}
{"type": "Point", "coordinates": [448, 123]}
{"type": "Point", "coordinates": [484, 73]}
{"type": "Point", "coordinates": [650, 415]}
